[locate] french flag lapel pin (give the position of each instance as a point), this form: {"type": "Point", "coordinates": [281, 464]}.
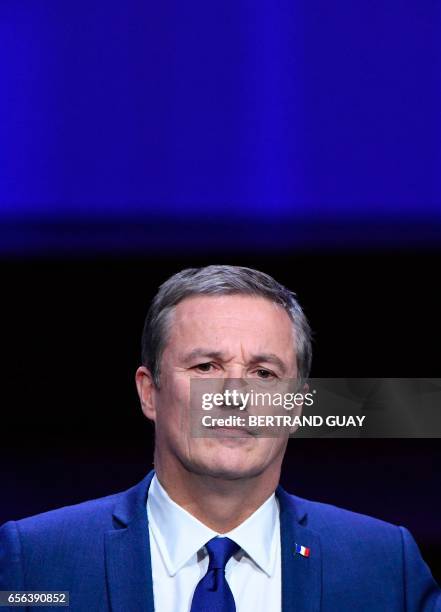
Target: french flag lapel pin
{"type": "Point", "coordinates": [302, 550]}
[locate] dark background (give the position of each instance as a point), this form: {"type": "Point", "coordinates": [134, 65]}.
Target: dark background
{"type": "Point", "coordinates": [72, 428]}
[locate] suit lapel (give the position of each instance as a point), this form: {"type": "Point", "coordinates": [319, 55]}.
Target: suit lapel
{"type": "Point", "coordinates": [127, 552]}
{"type": "Point", "coordinates": [129, 568]}
{"type": "Point", "coordinates": [301, 576]}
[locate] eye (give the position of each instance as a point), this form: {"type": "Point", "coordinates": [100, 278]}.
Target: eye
{"type": "Point", "coordinates": [204, 367]}
{"type": "Point", "coordinates": [265, 374]}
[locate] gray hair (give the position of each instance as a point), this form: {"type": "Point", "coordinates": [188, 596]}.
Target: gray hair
{"type": "Point", "coordinates": [219, 280]}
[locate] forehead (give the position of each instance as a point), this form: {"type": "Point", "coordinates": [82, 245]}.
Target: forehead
{"type": "Point", "coordinates": [226, 321]}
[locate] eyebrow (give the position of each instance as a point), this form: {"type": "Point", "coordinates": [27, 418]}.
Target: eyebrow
{"type": "Point", "coordinates": [202, 352]}
{"type": "Point", "coordinates": [260, 358]}
{"type": "Point", "coordinates": [269, 358]}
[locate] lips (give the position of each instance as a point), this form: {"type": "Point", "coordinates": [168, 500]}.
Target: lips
{"type": "Point", "coordinates": [232, 432]}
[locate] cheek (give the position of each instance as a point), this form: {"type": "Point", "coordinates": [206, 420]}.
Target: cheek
{"type": "Point", "coordinates": [173, 402]}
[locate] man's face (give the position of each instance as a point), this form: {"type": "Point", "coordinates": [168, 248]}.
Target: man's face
{"type": "Point", "coordinates": [220, 337]}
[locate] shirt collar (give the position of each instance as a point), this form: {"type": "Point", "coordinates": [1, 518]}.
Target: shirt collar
{"type": "Point", "coordinates": [180, 535]}
{"type": "Point", "coordinates": [257, 536]}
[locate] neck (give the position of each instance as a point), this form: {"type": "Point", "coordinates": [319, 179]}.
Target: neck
{"type": "Point", "coordinates": [219, 503]}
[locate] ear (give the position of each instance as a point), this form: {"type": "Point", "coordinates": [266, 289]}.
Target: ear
{"type": "Point", "coordinates": [146, 391]}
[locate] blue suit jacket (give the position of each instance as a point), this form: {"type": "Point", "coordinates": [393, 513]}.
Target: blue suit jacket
{"type": "Point", "coordinates": [99, 551]}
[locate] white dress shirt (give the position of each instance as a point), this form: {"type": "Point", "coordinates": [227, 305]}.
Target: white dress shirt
{"type": "Point", "coordinates": [179, 558]}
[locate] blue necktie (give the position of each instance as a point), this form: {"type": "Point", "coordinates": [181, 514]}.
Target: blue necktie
{"type": "Point", "coordinates": [213, 594]}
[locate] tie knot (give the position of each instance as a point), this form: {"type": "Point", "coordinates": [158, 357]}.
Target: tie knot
{"type": "Point", "coordinates": [220, 550]}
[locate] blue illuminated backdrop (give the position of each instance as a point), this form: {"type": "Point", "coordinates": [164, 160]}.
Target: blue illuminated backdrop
{"type": "Point", "coordinates": [137, 126]}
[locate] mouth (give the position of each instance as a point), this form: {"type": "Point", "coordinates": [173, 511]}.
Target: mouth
{"type": "Point", "coordinates": [232, 432]}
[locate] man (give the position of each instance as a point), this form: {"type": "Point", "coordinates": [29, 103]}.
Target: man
{"type": "Point", "coordinates": [210, 529]}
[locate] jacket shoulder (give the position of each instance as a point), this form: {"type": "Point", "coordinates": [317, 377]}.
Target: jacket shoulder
{"type": "Point", "coordinates": [368, 551]}
{"type": "Point", "coordinates": [46, 549]}
{"type": "Point", "coordinates": [338, 525]}
{"type": "Point", "coordinates": [85, 520]}
{"type": "Point", "coordinates": [89, 514]}
{"type": "Point", "coordinates": [321, 512]}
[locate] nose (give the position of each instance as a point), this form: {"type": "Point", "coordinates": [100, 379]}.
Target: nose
{"type": "Point", "coordinates": [234, 384]}
{"type": "Point", "coordinates": [235, 370]}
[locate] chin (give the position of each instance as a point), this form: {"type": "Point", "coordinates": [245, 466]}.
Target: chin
{"type": "Point", "coordinates": [231, 473]}
{"type": "Point", "coordinates": [228, 466]}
